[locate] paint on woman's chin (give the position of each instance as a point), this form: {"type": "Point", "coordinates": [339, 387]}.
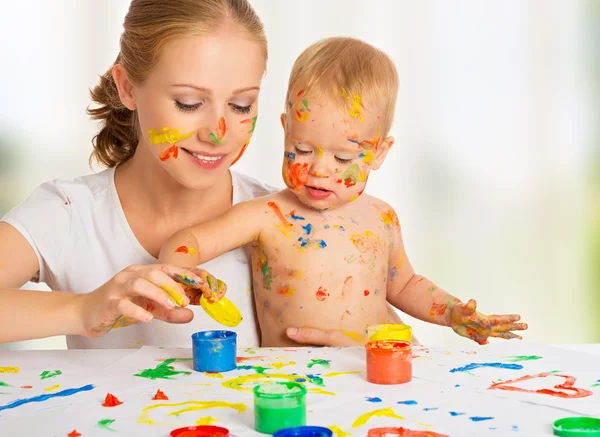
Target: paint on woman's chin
{"type": "Point", "coordinates": [220, 131]}
{"type": "Point", "coordinates": [237, 158]}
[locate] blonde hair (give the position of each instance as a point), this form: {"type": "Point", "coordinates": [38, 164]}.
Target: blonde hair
{"type": "Point", "coordinates": [149, 26]}
{"type": "Point", "coordinates": [342, 68]}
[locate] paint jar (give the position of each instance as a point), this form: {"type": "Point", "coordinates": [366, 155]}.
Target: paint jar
{"type": "Point", "coordinates": [390, 331]}
{"type": "Point", "coordinates": [200, 431]}
{"type": "Point", "coordinates": [214, 351]}
{"type": "Point", "coordinates": [279, 405]}
{"type": "Point", "coordinates": [304, 431]}
{"type": "Point", "coordinates": [389, 362]}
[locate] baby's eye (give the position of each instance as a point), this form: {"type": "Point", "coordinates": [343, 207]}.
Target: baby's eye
{"type": "Point", "coordinates": [302, 152]}
{"type": "Point", "coordinates": [343, 160]}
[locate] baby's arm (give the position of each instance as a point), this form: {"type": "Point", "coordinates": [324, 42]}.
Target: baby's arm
{"type": "Point", "coordinates": [422, 299]}
{"type": "Point", "coordinates": [200, 243]}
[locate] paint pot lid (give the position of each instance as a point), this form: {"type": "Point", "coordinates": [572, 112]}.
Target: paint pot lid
{"type": "Point", "coordinates": [223, 311]}
{"type": "Point", "coordinates": [577, 426]}
{"type": "Point", "coordinates": [304, 431]}
{"type": "Point", "coordinates": [200, 431]}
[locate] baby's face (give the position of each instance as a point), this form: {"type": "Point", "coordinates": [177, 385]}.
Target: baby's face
{"type": "Point", "coordinates": [330, 151]}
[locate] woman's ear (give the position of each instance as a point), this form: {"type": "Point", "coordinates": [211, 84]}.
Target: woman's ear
{"type": "Point", "coordinates": [124, 86]}
{"type": "Point", "coordinates": [382, 152]}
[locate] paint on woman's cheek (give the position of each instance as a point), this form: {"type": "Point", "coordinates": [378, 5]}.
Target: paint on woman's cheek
{"type": "Point", "coordinates": [171, 152]}
{"type": "Point", "coordinates": [170, 136]}
{"type": "Point", "coordinates": [250, 120]}
{"type": "Point", "coordinates": [220, 132]}
{"type": "Point", "coordinates": [237, 158]}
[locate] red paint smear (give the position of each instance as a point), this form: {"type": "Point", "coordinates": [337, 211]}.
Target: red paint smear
{"type": "Point", "coordinates": [298, 174]}
{"type": "Point", "coordinates": [367, 292]}
{"type": "Point", "coordinates": [172, 151]}
{"type": "Point", "coordinates": [339, 181]}
{"type": "Point", "coordinates": [349, 183]}
{"type": "Point", "coordinates": [361, 191]}
{"type": "Point", "coordinates": [390, 431]}
{"type": "Point", "coordinates": [160, 396]}
{"type": "Point", "coordinates": [300, 93]}
{"type": "Point", "coordinates": [111, 401]}
{"type": "Point", "coordinates": [322, 294]}
{"type": "Point", "coordinates": [567, 385]}
{"type": "Point", "coordinates": [476, 336]}
{"type": "Point", "coordinates": [298, 114]}
{"type": "Point", "coordinates": [438, 309]}
{"type": "Point", "coordinates": [242, 359]}
{"type": "Point", "coordinates": [149, 307]}
{"type": "Point", "coordinates": [237, 158]}
{"type": "Point", "coordinates": [221, 128]}
{"type": "Point", "coordinates": [182, 249]}
{"type": "Point", "coordinates": [73, 433]}
{"type": "Point", "coordinates": [27, 386]}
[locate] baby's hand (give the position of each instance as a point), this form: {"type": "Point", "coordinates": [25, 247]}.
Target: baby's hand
{"type": "Point", "coordinates": [470, 323]}
{"type": "Point", "coordinates": [213, 289]}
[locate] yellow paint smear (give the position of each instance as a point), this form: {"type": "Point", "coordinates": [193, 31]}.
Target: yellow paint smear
{"type": "Point", "coordinates": [339, 432]}
{"type": "Point", "coordinates": [54, 387]}
{"type": "Point", "coordinates": [9, 370]}
{"type": "Point", "coordinates": [208, 420]}
{"type": "Point", "coordinates": [320, 391]}
{"type": "Point", "coordinates": [167, 135]}
{"type": "Point", "coordinates": [385, 412]}
{"type": "Point", "coordinates": [191, 406]}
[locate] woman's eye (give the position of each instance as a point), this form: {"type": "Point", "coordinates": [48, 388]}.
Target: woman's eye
{"type": "Point", "coordinates": [184, 107]}
{"type": "Point", "coordinates": [241, 109]}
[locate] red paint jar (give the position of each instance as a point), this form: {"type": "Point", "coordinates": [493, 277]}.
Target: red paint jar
{"type": "Point", "coordinates": [389, 362]}
{"type": "Point", "coordinates": [200, 431]}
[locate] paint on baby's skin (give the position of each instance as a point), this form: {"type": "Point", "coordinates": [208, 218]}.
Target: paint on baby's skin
{"type": "Point", "coordinates": [306, 241]}
{"type": "Point", "coordinates": [390, 220]}
{"type": "Point", "coordinates": [244, 147]}
{"type": "Point", "coordinates": [302, 114]}
{"type": "Point", "coordinates": [284, 227]}
{"type": "Point", "coordinates": [105, 424]}
{"type": "Point", "coordinates": [298, 174]}
{"type": "Point", "coordinates": [474, 366]}
{"type": "Point", "coordinates": [167, 135]}
{"type": "Point", "coordinates": [50, 374]}
{"type": "Point", "coordinates": [162, 371]}
{"type": "Point", "coordinates": [9, 370]}
{"type": "Point", "coordinates": [290, 157]}
{"type": "Point", "coordinates": [564, 390]}
{"type": "Point", "coordinates": [171, 152]}
{"type": "Point", "coordinates": [220, 131]}
{"type": "Point", "coordinates": [352, 175]}
{"type": "Point", "coordinates": [250, 120]}
{"type": "Point", "coordinates": [366, 292]}
{"type": "Point", "coordinates": [322, 294]}
{"type": "Point", "coordinates": [367, 242]}
{"type": "Point", "coordinates": [186, 250]}
{"type": "Point", "coordinates": [385, 412]}
{"type": "Point", "coordinates": [318, 362]}
{"type": "Point", "coordinates": [355, 104]}
{"type": "Point", "coordinates": [367, 157]}
{"type": "Point", "coordinates": [353, 139]}
{"type": "Point", "coordinates": [320, 152]}
{"type": "Point", "coordinates": [265, 270]}
{"type": "Point", "coordinates": [347, 288]}
{"type": "Point", "coordinates": [437, 309]}
{"type": "Point", "coordinates": [293, 216]}
{"type": "Point", "coordinates": [286, 290]}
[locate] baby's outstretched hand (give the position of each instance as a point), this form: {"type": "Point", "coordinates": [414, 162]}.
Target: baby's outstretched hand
{"type": "Point", "coordinates": [213, 289]}
{"type": "Point", "coordinates": [470, 323]}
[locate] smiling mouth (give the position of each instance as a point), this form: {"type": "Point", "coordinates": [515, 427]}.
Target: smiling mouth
{"type": "Point", "coordinates": [202, 157]}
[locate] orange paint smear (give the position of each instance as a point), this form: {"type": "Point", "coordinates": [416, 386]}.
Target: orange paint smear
{"type": "Point", "coordinates": [111, 401]}
{"type": "Point", "coordinates": [287, 290]}
{"type": "Point", "coordinates": [298, 174]}
{"type": "Point", "coordinates": [389, 218]}
{"type": "Point", "coordinates": [367, 292]}
{"type": "Point", "coordinates": [186, 250]}
{"type": "Point", "coordinates": [567, 386]}
{"type": "Point", "coordinates": [171, 152]}
{"type": "Point", "coordinates": [438, 309]}
{"type": "Point", "coordinates": [279, 215]}
{"type": "Point", "coordinates": [242, 359]}
{"type": "Point", "coordinates": [221, 128]}
{"type": "Point", "coordinates": [73, 433]}
{"type": "Point", "coordinates": [322, 294]}
{"type": "Point", "coordinates": [244, 147]}
{"type": "Point", "coordinates": [160, 396]}
{"type": "Point", "coordinates": [391, 431]}
{"type": "Point", "coordinates": [26, 386]}
{"type": "Point", "coordinates": [347, 288]}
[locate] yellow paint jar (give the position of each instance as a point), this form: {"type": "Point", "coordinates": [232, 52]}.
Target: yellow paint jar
{"type": "Point", "coordinates": [390, 331]}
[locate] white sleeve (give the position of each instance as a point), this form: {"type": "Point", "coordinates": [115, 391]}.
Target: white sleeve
{"type": "Point", "coordinates": [44, 219]}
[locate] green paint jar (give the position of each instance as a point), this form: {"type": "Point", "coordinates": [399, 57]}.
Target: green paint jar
{"type": "Point", "coordinates": [279, 405]}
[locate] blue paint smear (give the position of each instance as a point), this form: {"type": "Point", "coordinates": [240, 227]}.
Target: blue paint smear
{"type": "Point", "coordinates": [515, 428]}
{"type": "Point", "coordinates": [41, 398]}
{"type": "Point", "coordinates": [430, 409]}
{"type": "Point", "coordinates": [326, 226]}
{"type": "Point", "coordinates": [244, 367]}
{"type": "Point", "coordinates": [296, 217]}
{"type": "Point", "coordinates": [300, 379]}
{"type": "Point", "coordinates": [474, 366]}
{"type": "Point", "coordinates": [454, 413]}
{"type": "Point", "coordinates": [290, 156]}
{"type": "Point", "coordinates": [307, 229]}
{"type": "Point", "coordinates": [408, 402]}
{"type": "Point", "coordinates": [457, 385]}
{"type": "Point", "coordinates": [368, 399]}
{"type": "Point", "coordinates": [479, 419]}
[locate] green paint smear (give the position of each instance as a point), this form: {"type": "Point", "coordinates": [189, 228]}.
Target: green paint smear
{"type": "Point", "coordinates": [105, 424]}
{"type": "Point", "coordinates": [214, 138]}
{"type": "Point", "coordinates": [267, 273]}
{"type": "Point", "coordinates": [250, 351]}
{"type": "Point", "coordinates": [4, 384]}
{"type": "Point", "coordinates": [305, 103]}
{"type": "Point", "coordinates": [518, 358]}
{"type": "Point", "coordinates": [253, 124]}
{"type": "Point", "coordinates": [555, 371]}
{"type": "Point", "coordinates": [46, 374]}
{"type": "Point", "coordinates": [352, 173]}
{"type": "Point", "coordinates": [317, 380]}
{"type": "Point", "coordinates": [595, 385]}
{"type": "Point", "coordinates": [315, 362]}
{"type": "Point", "coordinates": [162, 371]}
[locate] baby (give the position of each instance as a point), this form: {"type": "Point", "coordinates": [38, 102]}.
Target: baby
{"type": "Point", "coordinates": [324, 254]}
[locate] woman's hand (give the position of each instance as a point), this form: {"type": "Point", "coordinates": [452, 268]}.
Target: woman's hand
{"type": "Point", "coordinates": [141, 293]}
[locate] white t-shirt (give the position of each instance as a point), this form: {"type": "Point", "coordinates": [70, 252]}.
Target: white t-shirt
{"type": "Point", "coordinates": [81, 237]}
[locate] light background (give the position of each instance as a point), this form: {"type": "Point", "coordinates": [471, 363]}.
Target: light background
{"type": "Point", "coordinates": [495, 170]}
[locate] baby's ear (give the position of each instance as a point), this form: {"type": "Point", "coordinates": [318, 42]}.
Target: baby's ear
{"type": "Point", "coordinates": [382, 152]}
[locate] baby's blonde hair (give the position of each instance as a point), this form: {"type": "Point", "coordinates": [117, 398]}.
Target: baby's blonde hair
{"type": "Point", "coordinates": [348, 71]}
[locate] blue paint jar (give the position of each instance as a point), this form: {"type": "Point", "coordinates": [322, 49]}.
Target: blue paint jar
{"type": "Point", "coordinates": [214, 351]}
{"type": "Point", "coordinates": [304, 431]}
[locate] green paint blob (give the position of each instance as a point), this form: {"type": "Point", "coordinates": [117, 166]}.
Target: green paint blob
{"type": "Point", "coordinates": [105, 424]}
{"type": "Point", "coordinates": [253, 124]}
{"type": "Point", "coordinates": [50, 374]}
{"type": "Point", "coordinates": [162, 371]}
{"type": "Point", "coordinates": [518, 358]}
{"type": "Point", "coordinates": [317, 361]}
{"type": "Point", "coordinates": [305, 103]}
{"type": "Point", "coordinates": [352, 174]}
{"type": "Point", "coordinates": [4, 384]}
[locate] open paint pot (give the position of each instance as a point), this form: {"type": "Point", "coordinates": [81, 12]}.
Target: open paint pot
{"type": "Point", "coordinates": [389, 362]}
{"type": "Point", "coordinates": [200, 431]}
{"type": "Point", "coordinates": [577, 427]}
{"type": "Point", "coordinates": [214, 351]}
{"type": "Point", "coordinates": [279, 405]}
{"type": "Point", "coordinates": [390, 331]}
{"type": "Point", "coordinates": [304, 431]}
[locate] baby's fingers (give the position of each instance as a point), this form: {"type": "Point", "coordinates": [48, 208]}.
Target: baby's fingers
{"type": "Point", "coordinates": [210, 288]}
{"type": "Point", "coordinates": [507, 335]}
{"type": "Point", "coordinates": [505, 327]}
{"type": "Point", "coordinates": [503, 318]}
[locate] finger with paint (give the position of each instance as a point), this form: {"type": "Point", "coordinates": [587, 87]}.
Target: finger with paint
{"type": "Point", "coordinates": [213, 289]}
{"type": "Point", "coordinates": [470, 323]}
